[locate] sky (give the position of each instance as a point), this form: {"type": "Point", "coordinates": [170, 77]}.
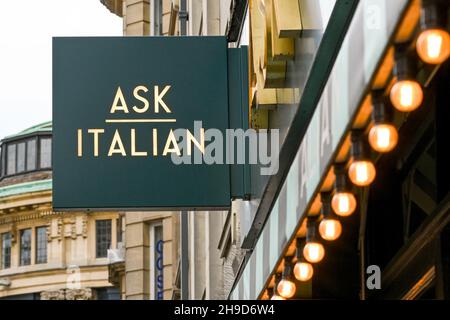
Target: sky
{"type": "Point", "coordinates": [26, 31]}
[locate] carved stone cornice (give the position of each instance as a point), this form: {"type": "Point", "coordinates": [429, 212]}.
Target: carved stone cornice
{"type": "Point", "coordinates": [53, 295]}
{"type": "Point", "coordinates": [79, 294]}
{"type": "Point", "coordinates": [67, 294]}
{"type": "Point", "coordinates": [69, 227]}
{"type": "Point", "coordinates": [21, 217]}
{"type": "Point", "coordinates": [115, 272]}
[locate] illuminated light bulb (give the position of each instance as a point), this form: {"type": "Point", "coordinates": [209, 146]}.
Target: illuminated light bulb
{"type": "Point", "coordinates": [273, 292]}
{"type": "Point", "coordinates": [303, 271]}
{"type": "Point", "coordinates": [313, 252]}
{"type": "Point", "coordinates": [406, 95]}
{"type": "Point", "coordinates": [330, 229]}
{"type": "Point", "coordinates": [433, 46]}
{"type": "Point", "coordinates": [362, 172]}
{"type": "Point", "coordinates": [343, 203]}
{"type": "Point", "coordinates": [273, 295]}
{"type": "Point", "coordinates": [286, 288]}
{"type": "Point", "coordinates": [383, 137]}
{"type": "Point", "coordinates": [276, 297]}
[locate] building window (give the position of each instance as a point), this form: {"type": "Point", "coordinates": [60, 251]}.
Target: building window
{"type": "Point", "coordinates": [6, 250]}
{"type": "Point", "coordinates": [11, 159]}
{"type": "Point", "coordinates": [25, 247]}
{"type": "Point", "coordinates": [21, 157]}
{"type": "Point", "coordinates": [46, 153]}
{"type": "Point", "coordinates": [31, 155]}
{"type": "Point", "coordinates": [25, 155]}
{"type": "Point", "coordinates": [102, 237]}
{"type": "Point", "coordinates": [156, 262]}
{"type": "Point", "coordinates": [41, 245]}
{"type": "Point", "coordinates": [110, 293]}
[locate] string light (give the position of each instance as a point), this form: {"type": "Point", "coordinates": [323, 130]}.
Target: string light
{"type": "Point", "coordinates": [330, 227]}
{"type": "Point", "coordinates": [433, 46]}
{"type": "Point", "coordinates": [433, 42]}
{"type": "Point", "coordinates": [286, 287]}
{"type": "Point", "coordinates": [303, 270]}
{"type": "Point", "coordinates": [361, 172]}
{"type": "Point", "coordinates": [343, 201]}
{"type": "Point", "coordinates": [275, 295]}
{"type": "Point", "coordinates": [406, 94]}
{"type": "Point", "coordinates": [313, 251]}
{"type": "Point", "coordinates": [383, 136]}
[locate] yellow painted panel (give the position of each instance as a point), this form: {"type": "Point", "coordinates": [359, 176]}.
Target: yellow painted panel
{"type": "Point", "coordinates": [282, 48]}
{"type": "Point", "coordinates": [287, 18]}
{"type": "Point", "coordinates": [270, 98]}
{"type": "Point", "coordinates": [268, 56]}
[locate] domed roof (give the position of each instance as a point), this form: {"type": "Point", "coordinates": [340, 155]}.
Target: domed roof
{"type": "Point", "coordinates": [42, 127]}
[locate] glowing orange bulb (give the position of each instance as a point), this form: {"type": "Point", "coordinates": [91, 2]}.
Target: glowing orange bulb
{"type": "Point", "coordinates": [330, 229]}
{"type": "Point", "coordinates": [383, 137]}
{"type": "Point", "coordinates": [362, 172]}
{"type": "Point", "coordinates": [343, 203]}
{"type": "Point", "coordinates": [276, 297]}
{"type": "Point", "coordinates": [303, 271]}
{"type": "Point", "coordinates": [406, 95]}
{"type": "Point", "coordinates": [313, 252]}
{"type": "Point", "coordinates": [286, 288]}
{"type": "Point", "coordinates": [433, 46]}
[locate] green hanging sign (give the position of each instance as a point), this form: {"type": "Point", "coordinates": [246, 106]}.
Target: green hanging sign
{"type": "Point", "coordinates": [125, 109]}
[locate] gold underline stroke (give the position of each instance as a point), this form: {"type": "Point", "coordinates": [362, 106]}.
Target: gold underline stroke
{"type": "Point", "coordinates": [138, 120]}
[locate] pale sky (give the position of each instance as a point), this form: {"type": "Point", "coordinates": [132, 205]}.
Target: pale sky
{"type": "Point", "coordinates": [26, 30]}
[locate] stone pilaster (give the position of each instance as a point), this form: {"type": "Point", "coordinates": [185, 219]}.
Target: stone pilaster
{"type": "Point", "coordinates": [137, 18]}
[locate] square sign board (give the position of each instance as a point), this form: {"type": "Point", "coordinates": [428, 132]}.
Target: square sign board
{"type": "Point", "coordinates": [117, 106]}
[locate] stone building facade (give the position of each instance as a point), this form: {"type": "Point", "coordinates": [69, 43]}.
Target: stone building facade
{"type": "Point", "coordinates": [46, 254]}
